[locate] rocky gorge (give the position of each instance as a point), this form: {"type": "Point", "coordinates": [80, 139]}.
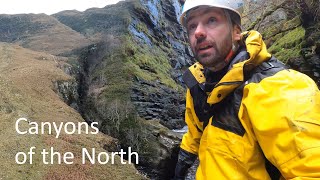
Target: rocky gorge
{"type": "Point", "coordinates": [126, 61]}
{"type": "Point", "coordinates": [130, 81]}
{"type": "Point", "coordinates": [290, 31]}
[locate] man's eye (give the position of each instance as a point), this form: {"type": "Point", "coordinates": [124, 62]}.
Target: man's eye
{"type": "Point", "coordinates": [192, 26]}
{"type": "Point", "coordinates": [212, 20]}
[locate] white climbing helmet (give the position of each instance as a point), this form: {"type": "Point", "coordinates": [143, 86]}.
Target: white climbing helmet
{"type": "Point", "coordinates": [232, 5]}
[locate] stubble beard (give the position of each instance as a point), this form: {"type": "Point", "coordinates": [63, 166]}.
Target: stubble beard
{"type": "Point", "coordinates": [211, 58]}
{"type": "Point", "coordinates": [216, 57]}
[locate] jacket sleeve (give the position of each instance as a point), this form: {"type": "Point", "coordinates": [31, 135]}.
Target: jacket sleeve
{"type": "Point", "coordinates": [284, 112]}
{"type": "Point", "coordinates": [191, 140]}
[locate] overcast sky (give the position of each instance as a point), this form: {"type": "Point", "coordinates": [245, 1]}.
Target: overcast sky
{"type": "Point", "coordinates": [49, 6]}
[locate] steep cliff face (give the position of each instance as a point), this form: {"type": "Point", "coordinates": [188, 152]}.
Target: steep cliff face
{"type": "Point", "coordinates": [280, 25]}
{"type": "Point", "coordinates": [151, 46]}
{"type": "Point", "coordinates": [289, 29]}
{"type": "Point", "coordinates": [309, 62]}
{"type": "Point", "coordinates": [133, 74]}
{"type": "Point", "coordinates": [155, 26]}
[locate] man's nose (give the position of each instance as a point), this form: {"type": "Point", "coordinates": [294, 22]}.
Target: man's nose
{"type": "Point", "coordinates": [200, 31]}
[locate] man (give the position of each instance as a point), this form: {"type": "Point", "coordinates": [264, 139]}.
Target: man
{"type": "Point", "coordinates": [248, 116]}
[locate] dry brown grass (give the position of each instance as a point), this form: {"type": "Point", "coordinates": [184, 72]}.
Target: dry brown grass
{"type": "Point", "coordinates": [26, 90]}
{"type": "Point", "coordinates": [54, 38]}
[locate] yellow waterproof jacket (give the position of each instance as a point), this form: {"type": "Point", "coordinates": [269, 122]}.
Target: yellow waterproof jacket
{"type": "Point", "coordinates": [259, 112]}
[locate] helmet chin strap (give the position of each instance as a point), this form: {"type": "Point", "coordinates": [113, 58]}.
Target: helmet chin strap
{"type": "Point", "coordinates": [232, 52]}
{"type": "Point", "coordinates": [226, 61]}
{"type": "Point", "coordinates": [235, 45]}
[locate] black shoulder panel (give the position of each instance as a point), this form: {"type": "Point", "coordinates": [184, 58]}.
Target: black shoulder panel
{"type": "Point", "coordinates": [199, 96]}
{"type": "Point", "coordinates": [201, 107]}
{"type": "Point", "coordinates": [266, 69]}
{"type": "Point", "coordinates": [189, 79]}
{"type": "Point", "coordinates": [226, 116]}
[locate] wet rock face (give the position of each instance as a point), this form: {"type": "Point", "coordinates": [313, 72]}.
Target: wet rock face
{"type": "Point", "coordinates": [290, 30]}
{"type": "Point", "coordinates": [162, 22]}
{"type": "Point", "coordinates": [161, 29]}
{"type": "Point", "coordinates": [309, 63]}
{"type": "Point", "coordinates": [310, 11]}
{"type": "Point", "coordinates": [67, 90]}
{"type": "Point", "coordinates": [275, 17]}
{"type": "Point", "coordinates": [162, 165]}
{"type": "Point", "coordinates": [156, 101]}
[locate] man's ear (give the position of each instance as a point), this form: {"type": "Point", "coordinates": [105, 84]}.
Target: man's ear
{"type": "Point", "coordinates": [236, 32]}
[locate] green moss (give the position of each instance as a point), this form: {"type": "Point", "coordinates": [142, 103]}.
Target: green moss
{"type": "Point", "coordinates": [148, 63]}
{"type": "Point", "coordinates": [291, 39]}
{"type": "Point", "coordinates": [142, 28]}
{"type": "Point", "coordinates": [278, 36]}
{"type": "Point", "coordinates": [292, 23]}
{"type": "Point", "coordinates": [289, 45]}
{"type": "Point", "coordinates": [119, 91]}
{"type": "Point", "coordinates": [270, 31]}
{"type": "Point", "coordinates": [279, 27]}
{"type": "Point", "coordinates": [139, 73]}
{"type": "Point", "coordinates": [117, 70]}
{"type": "Point", "coordinates": [287, 54]}
{"type": "Point", "coordinates": [113, 76]}
{"type": "Point", "coordinates": [170, 34]}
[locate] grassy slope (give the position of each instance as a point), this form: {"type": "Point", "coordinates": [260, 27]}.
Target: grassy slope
{"type": "Point", "coordinates": [57, 38]}
{"type": "Point", "coordinates": [26, 90]}
{"type": "Point", "coordinates": [40, 32]}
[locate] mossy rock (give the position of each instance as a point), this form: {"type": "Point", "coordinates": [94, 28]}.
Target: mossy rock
{"type": "Point", "coordinates": [292, 23]}
{"type": "Point", "coordinates": [289, 45]}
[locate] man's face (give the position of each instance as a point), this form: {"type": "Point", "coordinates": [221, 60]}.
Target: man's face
{"type": "Point", "coordinates": [210, 36]}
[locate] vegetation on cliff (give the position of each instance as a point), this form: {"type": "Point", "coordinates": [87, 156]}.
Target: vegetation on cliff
{"type": "Point", "coordinates": [288, 45]}
{"type": "Point", "coordinates": [290, 31]}
{"type": "Point", "coordinates": [27, 90]}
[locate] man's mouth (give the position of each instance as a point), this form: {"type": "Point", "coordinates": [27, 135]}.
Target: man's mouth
{"type": "Point", "coordinates": [203, 47]}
